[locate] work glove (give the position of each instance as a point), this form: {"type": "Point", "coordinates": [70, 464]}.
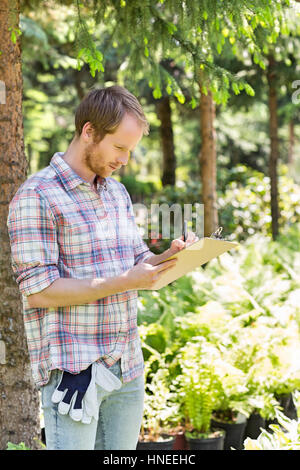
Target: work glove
{"type": "Point", "coordinates": [70, 392]}
{"type": "Point", "coordinates": [105, 378]}
{"type": "Point", "coordinates": [107, 381]}
{"type": "Point", "coordinates": [77, 395]}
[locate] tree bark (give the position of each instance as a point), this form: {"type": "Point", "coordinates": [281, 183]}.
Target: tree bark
{"type": "Point", "coordinates": [208, 163]}
{"type": "Point", "coordinates": [167, 141]}
{"type": "Point", "coordinates": [19, 403]}
{"type": "Point", "coordinates": [274, 150]}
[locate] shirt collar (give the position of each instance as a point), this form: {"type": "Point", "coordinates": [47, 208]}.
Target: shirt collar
{"type": "Point", "coordinates": [68, 177]}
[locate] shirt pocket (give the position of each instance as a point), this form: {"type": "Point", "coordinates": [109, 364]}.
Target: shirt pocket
{"type": "Point", "coordinates": [76, 242]}
{"type": "Point", "coordinates": [116, 252]}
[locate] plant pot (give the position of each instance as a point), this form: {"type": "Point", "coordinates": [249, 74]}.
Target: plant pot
{"type": "Point", "coordinates": [235, 431]}
{"type": "Point", "coordinates": [287, 403]}
{"type": "Point", "coordinates": [288, 408]}
{"type": "Point", "coordinates": [284, 401]}
{"type": "Point", "coordinates": [291, 411]}
{"type": "Point", "coordinates": [269, 422]}
{"type": "Point", "coordinates": [207, 443]}
{"type": "Point", "coordinates": [166, 443]}
{"type": "Point", "coordinates": [254, 424]}
{"type": "Point", "coordinates": [43, 436]}
{"type": "Point", "coordinates": [180, 442]}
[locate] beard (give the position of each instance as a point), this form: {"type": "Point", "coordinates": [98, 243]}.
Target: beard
{"type": "Point", "coordinates": [93, 161]}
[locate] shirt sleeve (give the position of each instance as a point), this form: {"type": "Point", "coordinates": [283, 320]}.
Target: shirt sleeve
{"type": "Point", "coordinates": [33, 241]}
{"type": "Point", "coordinates": [141, 250]}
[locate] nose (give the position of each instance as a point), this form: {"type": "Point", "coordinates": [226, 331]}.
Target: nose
{"type": "Point", "coordinates": [123, 159]}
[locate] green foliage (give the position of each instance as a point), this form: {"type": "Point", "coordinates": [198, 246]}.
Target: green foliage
{"type": "Point", "coordinates": [137, 188]}
{"type": "Point", "coordinates": [92, 57]}
{"type": "Point", "coordinates": [20, 446]}
{"type": "Point", "coordinates": [85, 46]}
{"type": "Point", "coordinates": [34, 32]}
{"type": "Point", "coordinates": [282, 436]}
{"type": "Point", "coordinates": [161, 409]}
{"type": "Point", "coordinates": [199, 400]}
{"type": "Point", "coordinates": [154, 338]}
{"type": "Point", "coordinates": [14, 33]}
{"type": "Point", "coordinates": [245, 206]}
{"type": "Point", "coordinates": [237, 322]}
{"type": "Point", "coordinates": [198, 30]}
{"type": "Point", "coordinates": [197, 387]}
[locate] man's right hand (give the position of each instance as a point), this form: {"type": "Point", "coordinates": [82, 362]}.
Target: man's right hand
{"type": "Point", "coordinates": [144, 275]}
{"type": "Point", "coordinates": [65, 292]}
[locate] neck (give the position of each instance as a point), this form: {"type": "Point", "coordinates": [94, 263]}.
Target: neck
{"type": "Point", "coordinates": [73, 157]}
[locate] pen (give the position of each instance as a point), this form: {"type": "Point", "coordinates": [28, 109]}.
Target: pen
{"type": "Point", "coordinates": [184, 231]}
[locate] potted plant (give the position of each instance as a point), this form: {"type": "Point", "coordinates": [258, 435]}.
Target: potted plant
{"type": "Point", "coordinates": [283, 385]}
{"type": "Point", "coordinates": [273, 378]}
{"type": "Point", "coordinates": [198, 394]}
{"type": "Point", "coordinates": [233, 406]}
{"type": "Point", "coordinates": [255, 351]}
{"type": "Point", "coordinates": [282, 436]}
{"type": "Point", "coordinates": [232, 421]}
{"type": "Point", "coordinates": [163, 423]}
{"type": "Point", "coordinates": [159, 412]}
{"type": "Point", "coordinates": [263, 405]}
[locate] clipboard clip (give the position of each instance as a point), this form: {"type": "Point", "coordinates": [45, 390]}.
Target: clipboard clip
{"type": "Point", "coordinates": [217, 233]}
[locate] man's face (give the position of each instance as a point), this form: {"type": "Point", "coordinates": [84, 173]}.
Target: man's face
{"type": "Point", "coordinates": [114, 150]}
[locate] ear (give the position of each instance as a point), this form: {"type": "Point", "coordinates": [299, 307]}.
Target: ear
{"type": "Point", "coordinates": [87, 132]}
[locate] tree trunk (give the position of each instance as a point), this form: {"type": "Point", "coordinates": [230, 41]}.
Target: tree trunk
{"type": "Point", "coordinates": [167, 141]}
{"type": "Point", "coordinates": [19, 403]}
{"type": "Point", "coordinates": [208, 162]}
{"type": "Point", "coordinates": [291, 142]}
{"type": "Point", "coordinates": [274, 151]}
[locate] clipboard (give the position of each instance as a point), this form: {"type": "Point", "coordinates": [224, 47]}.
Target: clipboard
{"type": "Point", "coordinates": [192, 257]}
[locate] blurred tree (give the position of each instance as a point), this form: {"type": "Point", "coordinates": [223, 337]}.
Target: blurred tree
{"type": "Point", "coordinates": [278, 71]}
{"type": "Point", "coordinates": [273, 68]}
{"type": "Point", "coordinates": [166, 134]}
{"type": "Point", "coordinates": [274, 149]}
{"type": "Point", "coordinates": [163, 106]}
{"type": "Point", "coordinates": [208, 162]}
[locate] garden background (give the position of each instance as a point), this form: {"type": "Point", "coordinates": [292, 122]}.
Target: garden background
{"type": "Point", "coordinates": [219, 83]}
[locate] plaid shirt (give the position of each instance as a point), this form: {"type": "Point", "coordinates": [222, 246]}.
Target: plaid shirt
{"type": "Point", "coordinates": [60, 227]}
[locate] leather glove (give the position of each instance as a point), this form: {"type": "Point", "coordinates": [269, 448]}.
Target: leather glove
{"type": "Point", "coordinates": [77, 395]}
{"type": "Point", "coordinates": [70, 392]}
{"type": "Point", "coordinates": [107, 381]}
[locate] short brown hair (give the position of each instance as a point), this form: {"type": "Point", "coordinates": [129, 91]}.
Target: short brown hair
{"type": "Point", "coordinates": [104, 108]}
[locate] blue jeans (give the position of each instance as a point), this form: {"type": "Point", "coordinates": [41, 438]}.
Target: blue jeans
{"type": "Point", "coordinates": [118, 427]}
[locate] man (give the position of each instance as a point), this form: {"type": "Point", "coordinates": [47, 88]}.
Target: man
{"type": "Point", "coordinates": [79, 261]}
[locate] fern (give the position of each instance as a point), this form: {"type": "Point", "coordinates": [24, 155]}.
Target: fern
{"type": "Point", "coordinates": [199, 393]}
